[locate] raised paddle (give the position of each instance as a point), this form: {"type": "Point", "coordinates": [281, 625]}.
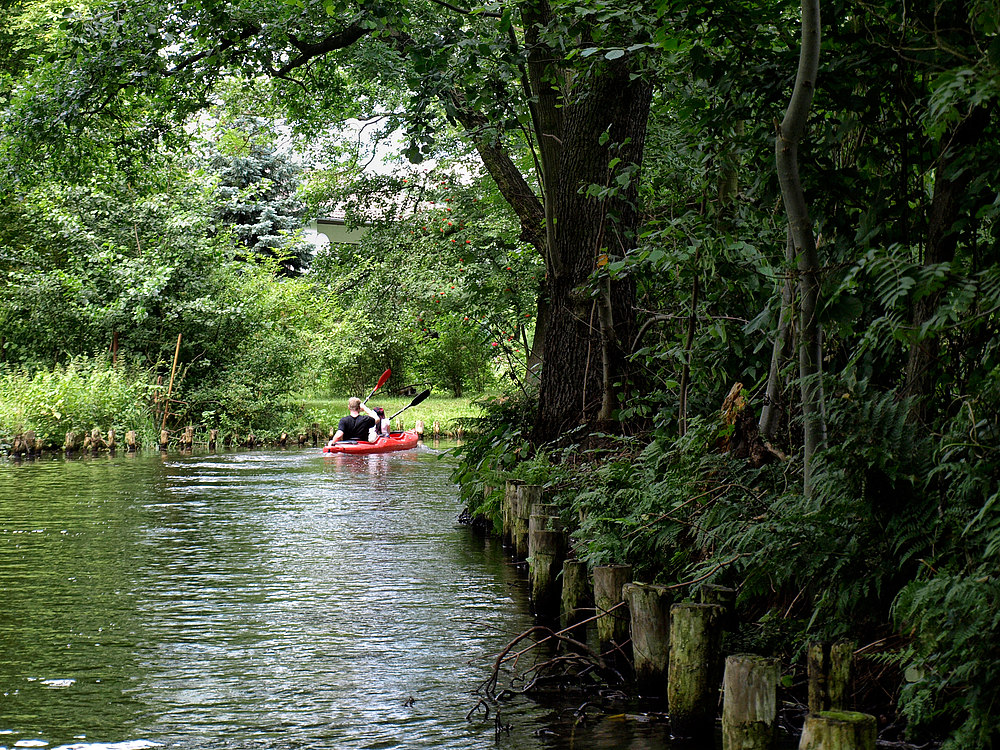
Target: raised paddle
{"type": "Point", "coordinates": [416, 400]}
{"type": "Point", "coordinates": [379, 384]}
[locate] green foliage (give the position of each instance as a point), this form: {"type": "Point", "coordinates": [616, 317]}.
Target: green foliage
{"type": "Point", "coordinates": [78, 396]}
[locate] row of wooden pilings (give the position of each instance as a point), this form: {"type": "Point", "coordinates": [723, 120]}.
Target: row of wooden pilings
{"type": "Point", "coordinates": [29, 445]}
{"type": "Point", "coordinates": [674, 648]}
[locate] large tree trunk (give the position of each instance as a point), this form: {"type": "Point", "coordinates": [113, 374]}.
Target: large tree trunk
{"type": "Point", "coordinates": [577, 368]}
{"type": "Point", "coordinates": [789, 134]}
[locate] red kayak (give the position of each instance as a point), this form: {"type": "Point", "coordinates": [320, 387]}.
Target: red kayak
{"type": "Point", "coordinates": [397, 441]}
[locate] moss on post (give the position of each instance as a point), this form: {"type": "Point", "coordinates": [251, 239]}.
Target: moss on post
{"type": "Point", "coordinates": [577, 598]}
{"type": "Point", "coordinates": [612, 618]}
{"type": "Point", "coordinates": [527, 495]}
{"type": "Point", "coordinates": [750, 702]}
{"type": "Point", "coordinates": [838, 730]}
{"type": "Point", "coordinates": [649, 611]}
{"type": "Point", "coordinates": [829, 668]}
{"type": "Point", "coordinates": [695, 656]}
{"type": "Point", "coordinates": [546, 550]}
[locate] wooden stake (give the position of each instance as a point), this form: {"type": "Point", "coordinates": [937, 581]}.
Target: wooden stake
{"type": "Point", "coordinates": [694, 673]}
{"type": "Point", "coordinates": [170, 388]}
{"type": "Point", "coordinates": [649, 608]}
{"type": "Point", "coordinates": [838, 730]}
{"type": "Point", "coordinates": [612, 626]}
{"type": "Point", "coordinates": [750, 702]}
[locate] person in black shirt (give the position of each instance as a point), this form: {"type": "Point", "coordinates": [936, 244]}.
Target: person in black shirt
{"type": "Point", "coordinates": [355, 426]}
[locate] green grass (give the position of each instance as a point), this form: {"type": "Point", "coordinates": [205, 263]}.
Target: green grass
{"type": "Point", "coordinates": [440, 408]}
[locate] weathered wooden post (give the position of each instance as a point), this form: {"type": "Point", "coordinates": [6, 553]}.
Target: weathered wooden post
{"type": "Point", "coordinates": [527, 495]}
{"type": "Point", "coordinates": [314, 434]}
{"type": "Point", "coordinates": [400, 424]}
{"type": "Point", "coordinates": [18, 447]}
{"type": "Point", "coordinates": [725, 597]}
{"type": "Point", "coordinates": [72, 442]}
{"type": "Point", "coordinates": [750, 702]}
{"type": "Point", "coordinates": [436, 429]}
{"type": "Point", "coordinates": [303, 438]}
{"type": "Point", "coordinates": [649, 613]}
{"type": "Point", "coordinates": [164, 440]}
{"type": "Point", "coordinates": [829, 670]}
{"type": "Point", "coordinates": [29, 443]}
{"type": "Point", "coordinates": [612, 615]}
{"type": "Point", "coordinates": [213, 439]}
{"type": "Point", "coordinates": [577, 598]}
{"type": "Point", "coordinates": [131, 442]}
{"type": "Point", "coordinates": [112, 443]}
{"type": "Point", "coordinates": [459, 432]}
{"type": "Point", "coordinates": [96, 440]}
{"type": "Point", "coordinates": [694, 671]}
{"type": "Point", "coordinates": [546, 550]}
{"type": "Point", "coordinates": [187, 439]}
{"type": "Point", "coordinates": [418, 427]}
{"type": "Point", "coordinates": [507, 512]}
{"type": "Point", "coordinates": [283, 440]}
{"type": "Point", "coordinates": [838, 730]}
{"type": "Point", "coordinates": [252, 440]}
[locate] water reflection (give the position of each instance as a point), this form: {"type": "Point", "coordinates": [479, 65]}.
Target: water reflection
{"type": "Point", "coordinates": [256, 600]}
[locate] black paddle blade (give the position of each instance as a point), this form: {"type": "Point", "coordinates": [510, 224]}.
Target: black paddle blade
{"type": "Point", "coordinates": [416, 400]}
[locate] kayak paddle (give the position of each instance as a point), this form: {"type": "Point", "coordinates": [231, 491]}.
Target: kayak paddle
{"type": "Point", "coordinates": [379, 384]}
{"type": "Point", "coordinates": [416, 400]}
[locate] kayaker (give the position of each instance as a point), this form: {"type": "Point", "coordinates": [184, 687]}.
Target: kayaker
{"type": "Point", "coordinates": [355, 426]}
{"type": "Point", "coordinates": [381, 426]}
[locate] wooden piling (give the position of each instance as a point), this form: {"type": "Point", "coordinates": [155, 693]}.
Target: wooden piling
{"type": "Point", "coordinates": [829, 671]}
{"type": "Point", "coordinates": [18, 448]}
{"type": "Point", "coordinates": [96, 440]}
{"type": "Point", "coordinates": [436, 429]}
{"type": "Point", "coordinates": [750, 702]}
{"type": "Point", "coordinates": [283, 440]}
{"type": "Point", "coordinates": [507, 512]}
{"type": "Point", "coordinates": [546, 550]}
{"type": "Point", "coordinates": [725, 597]}
{"type": "Point", "coordinates": [30, 442]}
{"type": "Point", "coordinates": [131, 441]}
{"type": "Point", "coordinates": [838, 730]}
{"type": "Point", "coordinates": [164, 440]}
{"type": "Point", "coordinates": [418, 427]}
{"type": "Point", "coordinates": [187, 439]}
{"type": "Point", "coordinates": [649, 614]}
{"type": "Point", "coordinates": [72, 442]}
{"type": "Point", "coordinates": [112, 440]}
{"type": "Point", "coordinates": [577, 598]}
{"type": "Point", "coordinates": [527, 495]}
{"type": "Point", "coordinates": [612, 619]}
{"type": "Point", "coordinates": [213, 439]}
{"type": "Point", "coordinates": [694, 672]}
{"type": "Point", "coordinates": [302, 439]}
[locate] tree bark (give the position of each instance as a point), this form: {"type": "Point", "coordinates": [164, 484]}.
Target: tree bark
{"type": "Point", "coordinates": [789, 134]}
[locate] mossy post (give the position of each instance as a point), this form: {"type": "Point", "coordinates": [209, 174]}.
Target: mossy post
{"type": "Point", "coordinates": [577, 598]}
{"type": "Point", "coordinates": [838, 730]}
{"type": "Point", "coordinates": [750, 702]}
{"type": "Point", "coordinates": [649, 611]}
{"type": "Point", "coordinates": [546, 550]}
{"type": "Point", "coordinates": [527, 496]}
{"type": "Point", "coordinates": [612, 617]}
{"type": "Point", "coordinates": [695, 658]}
{"type": "Point", "coordinates": [131, 441]}
{"type": "Point", "coordinates": [829, 669]}
{"type": "Point", "coordinates": [724, 597]}
{"type": "Point", "coordinates": [508, 512]}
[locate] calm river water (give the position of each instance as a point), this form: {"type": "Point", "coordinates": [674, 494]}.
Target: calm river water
{"type": "Point", "coordinates": [258, 600]}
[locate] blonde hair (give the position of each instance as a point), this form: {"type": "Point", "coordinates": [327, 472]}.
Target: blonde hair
{"type": "Point", "coordinates": [354, 403]}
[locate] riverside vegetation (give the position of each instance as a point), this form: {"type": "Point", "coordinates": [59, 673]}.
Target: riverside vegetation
{"type": "Point", "coordinates": [607, 214]}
